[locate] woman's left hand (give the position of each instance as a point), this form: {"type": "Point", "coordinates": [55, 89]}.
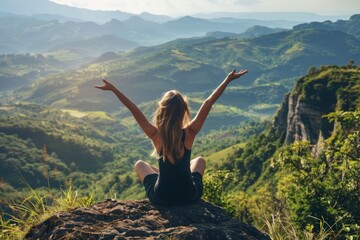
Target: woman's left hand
{"type": "Point", "coordinates": [107, 85]}
{"type": "Point", "coordinates": [235, 75]}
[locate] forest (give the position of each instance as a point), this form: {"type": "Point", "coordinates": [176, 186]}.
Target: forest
{"type": "Point", "coordinates": [282, 145]}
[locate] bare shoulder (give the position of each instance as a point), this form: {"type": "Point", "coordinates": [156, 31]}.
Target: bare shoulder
{"type": "Point", "coordinates": [156, 140]}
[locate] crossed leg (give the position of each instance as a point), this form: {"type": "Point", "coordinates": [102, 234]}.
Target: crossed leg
{"type": "Point", "coordinates": [198, 165]}
{"type": "Point", "coordinates": [143, 169]}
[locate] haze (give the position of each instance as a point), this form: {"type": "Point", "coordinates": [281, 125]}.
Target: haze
{"type": "Point", "coordinates": [187, 7]}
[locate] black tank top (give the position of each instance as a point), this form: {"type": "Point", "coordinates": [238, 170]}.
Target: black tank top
{"type": "Point", "coordinates": [175, 183]}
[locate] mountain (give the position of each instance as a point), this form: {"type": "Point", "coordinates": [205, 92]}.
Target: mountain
{"type": "Point", "coordinates": [96, 150]}
{"type": "Point", "coordinates": [155, 18]}
{"type": "Point", "coordinates": [321, 92]}
{"type": "Point", "coordinates": [22, 70]}
{"type": "Point", "coordinates": [198, 64]}
{"type": "Point", "coordinates": [139, 30]}
{"type": "Point", "coordinates": [29, 34]}
{"type": "Point", "coordinates": [191, 26]}
{"type": "Point", "coordinates": [54, 126]}
{"type": "Point", "coordinates": [37, 7]}
{"type": "Point", "coordinates": [68, 137]}
{"type": "Point", "coordinates": [201, 26]}
{"type": "Point", "coordinates": [300, 117]}
{"type": "Point", "coordinates": [247, 23]}
{"type": "Point", "coordinates": [298, 161]}
{"type": "Point", "coordinates": [257, 31]}
{"type": "Point", "coordinates": [350, 26]}
{"type": "Point", "coordinates": [252, 32]}
{"type": "Point", "coordinates": [21, 34]}
{"type": "Point", "coordinates": [271, 16]}
{"type": "Point", "coordinates": [97, 46]}
{"type": "Point", "coordinates": [25, 34]}
{"type": "Point", "coordinates": [47, 9]}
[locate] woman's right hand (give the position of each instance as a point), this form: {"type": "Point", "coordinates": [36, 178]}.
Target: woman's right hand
{"type": "Point", "coordinates": [107, 85]}
{"type": "Point", "coordinates": [235, 75]}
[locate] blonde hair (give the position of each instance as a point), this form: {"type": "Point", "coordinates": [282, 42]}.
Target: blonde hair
{"type": "Point", "coordinates": [171, 115]}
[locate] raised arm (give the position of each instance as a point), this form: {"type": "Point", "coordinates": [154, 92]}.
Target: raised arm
{"type": "Point", "coordinates": [198, 121]}
{"type": "Point", "coordinates": [146, 126]}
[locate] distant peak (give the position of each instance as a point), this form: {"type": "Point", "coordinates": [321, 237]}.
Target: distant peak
{"type": "Point", "coordinates": [191, 19]}
{"type": "Point", "coordinates": [135, 19]}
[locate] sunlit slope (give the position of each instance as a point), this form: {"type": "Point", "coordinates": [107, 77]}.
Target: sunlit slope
{"type": "Point", "coordinates": [198, 65]}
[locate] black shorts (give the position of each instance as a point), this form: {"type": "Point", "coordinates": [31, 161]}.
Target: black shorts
{"type": "Point", "coordinates": [149, 184]}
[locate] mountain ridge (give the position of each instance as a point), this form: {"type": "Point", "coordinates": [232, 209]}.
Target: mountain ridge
{"type": "Point", "coordinates": [201, 62]}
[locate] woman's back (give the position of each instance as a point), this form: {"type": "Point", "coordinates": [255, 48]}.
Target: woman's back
{"type": "Point", "coordinates": [179, 179]}
{"type": "Point", "coordinates": [175, 182]}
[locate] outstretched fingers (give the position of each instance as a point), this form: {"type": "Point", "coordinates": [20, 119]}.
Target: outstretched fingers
{"type": "Point", "coordinates": [242, 72]}
{"type": "Point", "coordinates": [105, 86]}
{"type": "Point", "coordinates": [234, 75]}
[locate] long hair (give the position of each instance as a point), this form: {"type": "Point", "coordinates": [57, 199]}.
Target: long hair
{"type": "Point", "coordinates": [171, 115]}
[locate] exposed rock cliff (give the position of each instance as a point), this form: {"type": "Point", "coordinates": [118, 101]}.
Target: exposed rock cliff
{"type": "Point", "coordinates": [141, 220]}
{"type": "Point", "coordinates": [329, 89]}
{"type": "Point", "coordinates": [303, 121]}
{"type": "Point", "coordinates": [298, 121]}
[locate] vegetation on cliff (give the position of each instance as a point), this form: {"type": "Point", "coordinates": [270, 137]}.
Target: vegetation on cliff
{"type": "Point", "coordinates": [309, 186]}
{"type": "Point", "coordinates": [303, 189]}
{"type": "Point", "coordinates": [295, 178]}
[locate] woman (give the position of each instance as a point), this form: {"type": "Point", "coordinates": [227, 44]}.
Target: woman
{"type": "Point", "coordinates": [177, 180]}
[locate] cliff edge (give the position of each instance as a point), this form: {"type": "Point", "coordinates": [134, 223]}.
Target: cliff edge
{"type": "Point", "coordinates": [325, 90]}
{"type": "Point", "coordinates": [140, 219]}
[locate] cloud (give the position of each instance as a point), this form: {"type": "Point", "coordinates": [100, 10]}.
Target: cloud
{"type": "Point", "coordinates": [188, 7]}
{"type": "Point", "coordinates": [326, 7]}
{"type": "Point", "coordinates": [234, 2]}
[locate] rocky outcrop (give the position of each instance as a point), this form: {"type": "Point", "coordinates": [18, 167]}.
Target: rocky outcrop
{"type": "Point", "coordinates": [297, 120]}
{"type": "Point", "coordinates": [300, 118]}
{"type": "Point", "coordinates": [303, 121]}
{"type": "Point", "coordinates": [142, 220]}
{"type": "Point", "coordinates": [322, 91]}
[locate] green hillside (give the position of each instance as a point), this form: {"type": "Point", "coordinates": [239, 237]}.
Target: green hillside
{"type": "Point", "coordinates": [96, 46]}
{"type": "Point", "coordinates": [350, 26]}
{"type": "Point", "coordinates": [76, 143]}
{"type": "Point", "coordinates": [22, 70]}
{"type": "Point", "coordinates": [299, 172]}
{"type": "Point", "coordinates": [196, 66]}
{"type": "Point", "coordinates": [306, 181]}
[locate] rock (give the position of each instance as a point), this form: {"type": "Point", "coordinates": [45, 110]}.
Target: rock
{"type": "Point", "coordinates": [297, 120]}
{"type": "Point", "coordinates": [142, 220]}
{"type": "Point", "coordinates": [326, 90]}
{"type": "Point", "coordinates": [303, 121]}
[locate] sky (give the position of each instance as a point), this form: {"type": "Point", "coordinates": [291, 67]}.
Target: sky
{"type": "Point", "coordinates": [188, 7]}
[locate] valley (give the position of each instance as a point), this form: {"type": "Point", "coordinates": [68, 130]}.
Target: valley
{"type": "Point", "coordinates": [57, 130]}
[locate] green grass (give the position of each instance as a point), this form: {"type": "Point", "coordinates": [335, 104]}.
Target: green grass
{"type": "Point", "coordinates": [63, 55]}
{"type": "Point", "coordinates": [37, 207]}
{"type": "Point", "coordinates": [280, 228]}
{"type": "Point", "coordinates": [224, 154]}
{"type": "Point", "coordinates": [295, 48]}
{"type": "Point", "coordinates": [95, 114]}
{"type": "Point", "coordinates": [128, 121]}
{"type": "Point", "coordinates": [218, 109]}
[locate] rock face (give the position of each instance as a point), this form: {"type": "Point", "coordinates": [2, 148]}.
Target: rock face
{"type": "Point", "coordinates": [141, 220]}
{"type": "Point", "coordinates": [322, 91]}
{"type": "Point", "coordinates": [303, 121]}
{"type": "Point", "coordinates": [300, 121]}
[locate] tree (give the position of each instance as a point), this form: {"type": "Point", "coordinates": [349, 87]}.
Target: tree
{"type": "Point", "coordinates": [326, 185]}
